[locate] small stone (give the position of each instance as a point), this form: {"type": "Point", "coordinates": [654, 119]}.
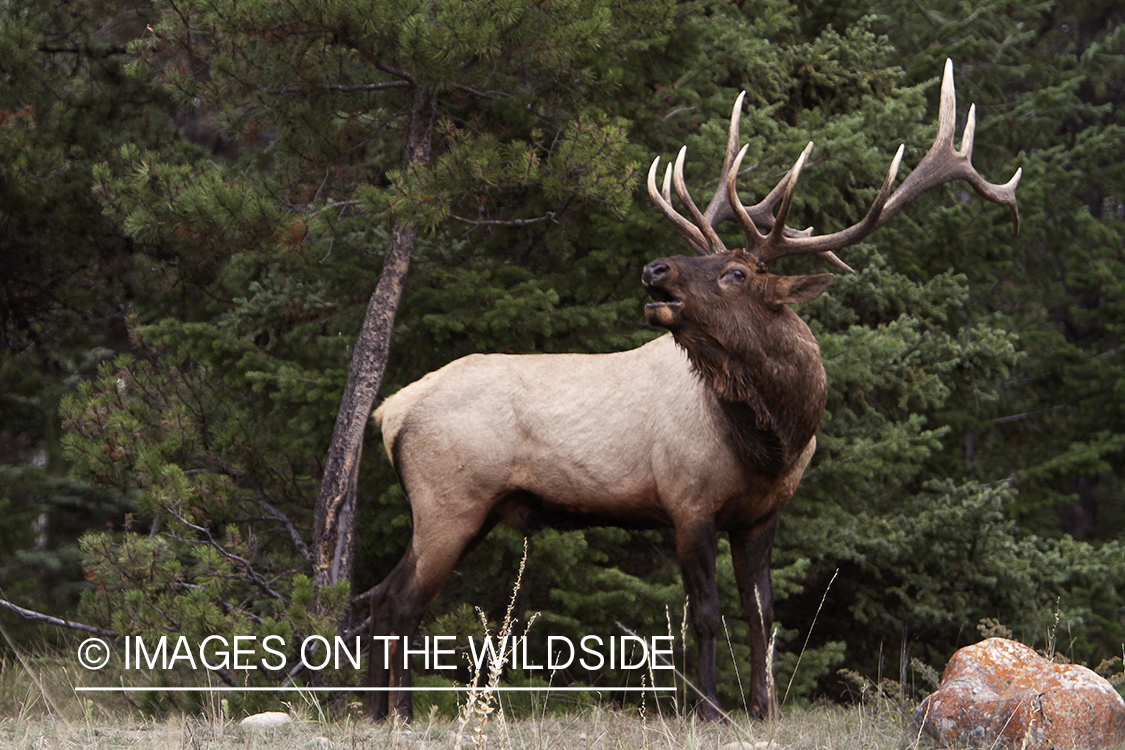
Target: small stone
{"type": "Point", "coordinates": [266, 720]}
{"type": "Point", "coordinates": [1002, 692]}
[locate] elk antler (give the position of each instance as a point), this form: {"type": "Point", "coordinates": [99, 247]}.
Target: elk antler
{"type": "Point", "coordinates": [701, 234]}
{"type": "Point", "coordinates": [940, 165]}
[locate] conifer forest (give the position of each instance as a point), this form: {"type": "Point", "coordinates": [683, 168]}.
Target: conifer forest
{"type": "Point", "coordinates": [229, 228]}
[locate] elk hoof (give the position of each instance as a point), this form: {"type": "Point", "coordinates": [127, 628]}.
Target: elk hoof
{"type": "Point", "coordinates": [758, 713]}
{"type": "Point", "coordinates": [705, 710]}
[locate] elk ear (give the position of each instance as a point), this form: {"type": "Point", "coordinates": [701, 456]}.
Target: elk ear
{"type": "Point", "coordinates": [797, 289]}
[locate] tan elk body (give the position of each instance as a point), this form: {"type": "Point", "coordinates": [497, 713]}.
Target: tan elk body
{"type": "Point", "coordinates": [706, 430]}
{"type": "Point", "coordinates": [600, 436]}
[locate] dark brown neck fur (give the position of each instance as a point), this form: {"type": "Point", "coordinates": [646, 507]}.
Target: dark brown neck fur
{"type": "Point", "coordinates": [772, 388]}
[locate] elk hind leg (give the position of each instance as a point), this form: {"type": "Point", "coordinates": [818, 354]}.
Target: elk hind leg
{"type": "Point", "coordinates": [397, 606]}
{"type": "Point", "coordinates": [396, 609]}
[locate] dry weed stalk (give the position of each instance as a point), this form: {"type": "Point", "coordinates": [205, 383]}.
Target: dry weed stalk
{"type": "Point", "coordinates": [734, 661]}
{"type": "Point", "coordinates": [683, 649]}
{"type": "Point", "coordinates": [482, 702]}
{"type": "Point", "coordinates": [809, 634]}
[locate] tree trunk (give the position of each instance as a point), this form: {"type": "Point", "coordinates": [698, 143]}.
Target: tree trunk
{"type": "Point", "coordinates": [334, 524]}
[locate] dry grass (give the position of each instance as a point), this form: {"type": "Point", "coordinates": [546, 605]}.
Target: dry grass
{"type": "Point", "coordinates": [44, 713]}
{"type": "Point", "coordinates": [39, 709]}
{"type": "Point", "coordinates": [595, 728]}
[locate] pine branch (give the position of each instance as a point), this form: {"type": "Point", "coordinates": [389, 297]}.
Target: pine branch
{"type": "Point", "coordinates": [355, 630]}
{"type": "Point", "coordinates": [92, 52]}
{"type": "Point", "coordinates": [40, 617]}
{"type": "Point", "coordinates": [251, 574]}
{"type": "Point", "coordinates": [331, 206]}
{"type": "Point", "coordinates": [380, 86]}
{"type": "Point", "coordinates": [364, 596]}
{"type": "Point", "coordinates": [395, 72]}
{"type": "Point", "coordinates": [368, 86]}
{"type": "Point", "coordinates": [1027, 415]}
{"type": "Point", "coordinates": [485, 94]}
{"type": "Point", "coordinates": [290, 527]}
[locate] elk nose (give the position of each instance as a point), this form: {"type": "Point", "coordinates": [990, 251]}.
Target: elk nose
{"type": "Point", "coordinates": [655, 272]}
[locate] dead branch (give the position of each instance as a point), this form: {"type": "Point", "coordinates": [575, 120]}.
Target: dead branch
{"type": "Point", "coordinates": [40, 617]}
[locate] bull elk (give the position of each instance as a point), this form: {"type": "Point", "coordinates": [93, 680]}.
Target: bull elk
{"type": "Point", "coordinates": [706, 430]}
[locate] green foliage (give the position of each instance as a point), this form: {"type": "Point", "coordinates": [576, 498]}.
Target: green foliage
{"type": "Point", "coordinates": [967, 466]}
{"type": "Point", "coordinates": [42, 564]}
{"type": "Point", "coordinates": [221, 548]}
{"type": "Point", "coordinates": [67, 274]}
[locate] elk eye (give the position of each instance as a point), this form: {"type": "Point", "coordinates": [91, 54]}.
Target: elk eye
{"type": "Point", "coordinates": [734, 275]}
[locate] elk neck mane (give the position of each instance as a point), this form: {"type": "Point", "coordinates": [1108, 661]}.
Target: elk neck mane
{"type": "Point", "coordinates": [770, 385]}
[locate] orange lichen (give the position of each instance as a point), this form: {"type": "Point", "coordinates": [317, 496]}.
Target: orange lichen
{"type": "Point", "coordinates": [1000, 691]}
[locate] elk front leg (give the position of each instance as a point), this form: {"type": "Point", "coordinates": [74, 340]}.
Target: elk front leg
{"type": "Point", "coordinates": [695, 548]}
{"type": "Point", "coordinates": [750, 553]}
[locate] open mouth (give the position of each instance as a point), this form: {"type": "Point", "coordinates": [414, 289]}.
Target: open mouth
{"type": "Point", "coordinates": [662, 296]}
{"type": "Point", "coordinates": [664, 309]}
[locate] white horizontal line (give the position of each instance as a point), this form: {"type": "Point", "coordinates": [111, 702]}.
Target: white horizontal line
{"type": "Point", "coordinates": [295, 689]}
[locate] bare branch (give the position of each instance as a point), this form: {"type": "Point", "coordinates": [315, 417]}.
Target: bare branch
{"type": "Point", "coordinates": [331, 206]}
{"type": "Point", "coordinates": [40, 617]}
{"type": "Point", "coordinates": [355, 630]}
{"type": "Point", "coordinates": [368, 86]}
{"type": "Point", "coordinates": [396, 72]}
{"type": "Point", "coordinates": [485, 94]}
{"type": "Point", "coordinates": [341, 87]}
{"type": "Point", "coordinates": [1028, 415]}
{"type": "Point", "coordinates": [549, 216]}
{"type": "Point", "coordinates": [364, 596]}
{"type": "Point", "coordinates": [253, 576]}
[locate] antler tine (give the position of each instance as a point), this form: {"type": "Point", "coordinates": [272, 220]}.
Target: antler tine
{"type": "Point", "coordinates": [667, 190]}
{"type": "Point", "coordinates": [701, 234]}
{"type": "Point", "coordinates": [967, 136]}
{"type": "Point", "coordinates": [852, 234]}
{"type": "Point", "coordinates": [769, 238]}
{"type": "Point", "coordinates": [715, 244]}
{"type": "Point", "coordinates": [722, 205]}
{"type": "Point", "coordinates": [699, 231]}
{"type": "Point", "coordinates": [686, 229]}
{"type": "Point", "coordinates": [778, 229]}
{"type": "Point", "coordinates": [754, 237]}
{"type": "Point", "coordinates": [943, 164]}
{"type": "Point", "coordinates": [761, 213]}
{"type": "Point", "coordinates": [718, 210]}
{"type": "Point", "coordinates": [754, 218]}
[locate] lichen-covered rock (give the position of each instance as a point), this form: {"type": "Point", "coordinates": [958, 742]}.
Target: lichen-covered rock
{"type": "Point", "coordinates": [1002, 692]}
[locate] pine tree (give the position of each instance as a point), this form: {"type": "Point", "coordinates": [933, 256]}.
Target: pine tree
{"type": "Point", "coordinates": [67, 274]}
{"type": "Point", "coordinates": [1005, 429]}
